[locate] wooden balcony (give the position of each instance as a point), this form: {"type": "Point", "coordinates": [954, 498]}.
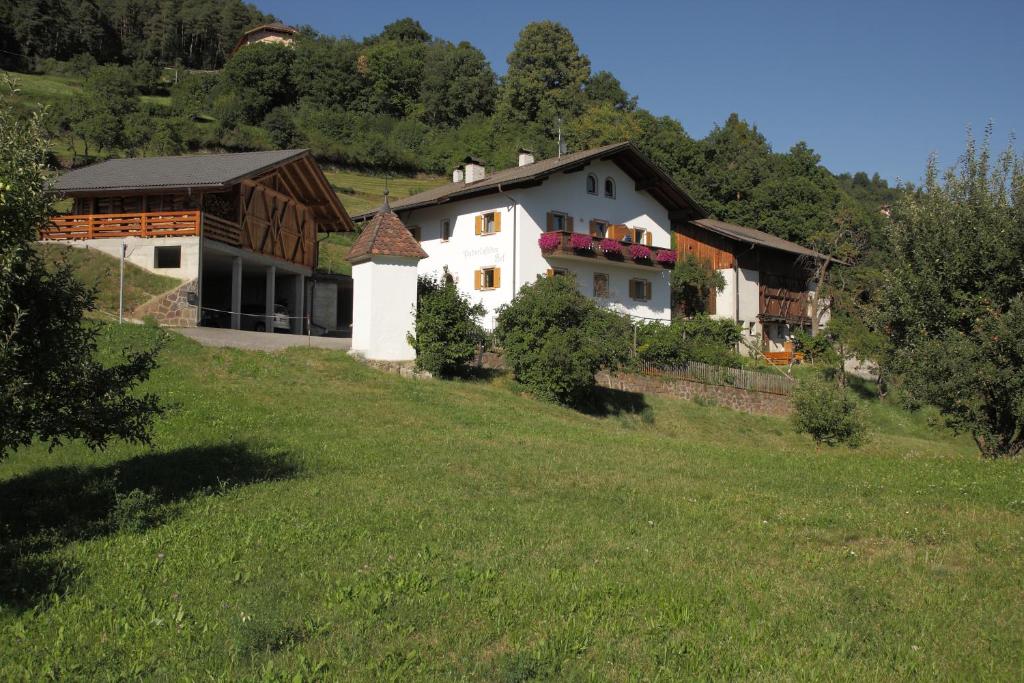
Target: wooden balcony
{"type": "Point", "coordinates": [784, 305]}
{"type": "Point", "coordinates": [588, 246]}
{"type": "Point", "coordinates": [142, 224]}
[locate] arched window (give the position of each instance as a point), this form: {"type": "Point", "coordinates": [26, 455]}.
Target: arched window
{"type": "Point", "coordinates": [609, 188]}
{"type": "Point", "coordinates": [591, 184]}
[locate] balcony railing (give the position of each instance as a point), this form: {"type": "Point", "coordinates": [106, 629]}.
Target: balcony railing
{"type": "Point", "coordinates": [778, 304]}
{"type": "Point", "coordinates": [142, 224]}
{"type": "Point", "coordinates": [564, 243]}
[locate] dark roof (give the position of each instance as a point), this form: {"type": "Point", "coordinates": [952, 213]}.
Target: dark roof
{"type": "Point", "coordinates": [275, 26]}
{"type": "Point", "coordinates": [386, 235]}
{"type": "Point", "coordinates": [180, 172]}
{"type": "Point", "coordinates": [625, 154]}
{"type": "Point", "coordinates": [751, 236]}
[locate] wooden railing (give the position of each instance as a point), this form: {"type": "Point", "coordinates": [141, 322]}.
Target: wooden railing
{"type": "Point", "coordinates": [783, 303]}
{"type": "Point", "coordinates": [582, 244]}
{"type": "Point", "coordinates": [142, 224]}
{"type": "Point", "coordinates": [222, 230]}
{"type": "Point", "coordinates": [741, 378]}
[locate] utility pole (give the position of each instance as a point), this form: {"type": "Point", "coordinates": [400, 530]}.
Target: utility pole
{"type": "Point", "coordinates": [120, 293]}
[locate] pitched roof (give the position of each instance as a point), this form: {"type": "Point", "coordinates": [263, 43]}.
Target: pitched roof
{"type": "Point", "coordinates": [386, 235]}
{"type": "Point", "coordinates": [625, 154]}
{"type": "Point", "coordinates": [178, 172]}
{"type": "Point", "coordinates": [751, 236]}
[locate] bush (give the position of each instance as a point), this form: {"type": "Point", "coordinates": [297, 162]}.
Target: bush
{"type": "Point", "coordinates": [703, 339]}
{"type": "Point", "coordinates": [555, 339]}
{"type": "Point", "coordinates": [694, 281]}
{"type": "Point", "coordinates": [828, 413]}
{"type": "Point", "coordinates": [447, 331]}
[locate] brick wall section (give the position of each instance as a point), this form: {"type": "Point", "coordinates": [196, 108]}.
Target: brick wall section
{"type": "Point", "coordinates": [754, 402]}
{"type": "Point", "coordinates": [175, 308]}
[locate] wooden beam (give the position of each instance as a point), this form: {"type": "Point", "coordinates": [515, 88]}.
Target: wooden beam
{"type": "Point", "coordinates": [643, 184]}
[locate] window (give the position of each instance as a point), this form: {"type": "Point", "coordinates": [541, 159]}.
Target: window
{"type": "Point", "coordinates": [415, 230]}
{"type": "Point", "coordinates": [609, 188]}
{"type": "Point", "coordinates": [167, 257]}
{"type": "Point", "coordinates": [592, 184]}
{"type": "Point", "coordinates": [640, 290]}
{"type": "Point", "coordinates": [488, 223]}
{"type": "Point", "coordinates": [487, 278]}
{"type": "Point", "coordinates": [600, 285]}
{"type": "Point", "coordinates": [640, 236]}
{"type": "Point", "coordinates": [599, 228]}
{"type": "Point", "coordinates": [446, 229]}
{"type": "Point", "coordinates": [559, 222]}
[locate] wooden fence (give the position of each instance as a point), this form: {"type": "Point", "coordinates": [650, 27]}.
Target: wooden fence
{"type": "Point", "coordinates": [751, 380]}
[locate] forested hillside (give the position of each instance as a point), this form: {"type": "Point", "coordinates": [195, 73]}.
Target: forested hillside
{"type": "Point", "coordinates": [401, 101]}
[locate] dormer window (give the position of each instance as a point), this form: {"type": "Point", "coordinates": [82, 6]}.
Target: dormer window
{"type": "Point", "coordinates": [592, 184]}
{"type": "Point", "coordinates": [609, 188]}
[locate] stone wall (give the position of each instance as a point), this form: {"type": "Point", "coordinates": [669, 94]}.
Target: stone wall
{"type": "Point", "coordinates": [754, 402]}
{"type": "Point", "coordinates": [176, 308]}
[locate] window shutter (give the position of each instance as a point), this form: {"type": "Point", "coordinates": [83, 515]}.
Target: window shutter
{"type": "Point", "coordinates": [479, 228]}
{"type": "Point", "coordinates": [647, 238]}
{"type": "Point", "coordinates": [551, 272]}
{"type": "Point", "coordinates": [647, 290]}
{"type": "Point", "coordinates": [497, 278]}
{"type": "Point", "coordinates": [569, 223]}
{"type": "Point", "coordinates": [593, 228]}
{"type": "Point", "coordinates": [497, 221]}
{"type": "Point", "coordinates": [551, 221]}
{"type": "Point", "coordinates": [476, 274]}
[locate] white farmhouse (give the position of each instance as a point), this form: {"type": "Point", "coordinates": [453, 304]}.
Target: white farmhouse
{"type": "Point", "coordinates": [614, 220]}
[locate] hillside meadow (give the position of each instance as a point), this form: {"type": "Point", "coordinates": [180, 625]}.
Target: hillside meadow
{"type": "Point", "coordinates": [300, 516]}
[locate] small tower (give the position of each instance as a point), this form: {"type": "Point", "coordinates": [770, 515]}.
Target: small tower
{"type": "Point", "coordinates": [384, 262]}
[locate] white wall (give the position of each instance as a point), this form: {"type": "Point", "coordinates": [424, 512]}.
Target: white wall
{"type": "Point", "coordinates": [384, 296]}
{"type": "Point", "coordinates": [523, 220]}
{"type": "Point", "coordinates": [140, 252]}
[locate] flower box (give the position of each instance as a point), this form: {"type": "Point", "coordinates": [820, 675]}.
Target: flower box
{"type": "Point", "coordinates": [550, 241]}
{"type": "Point", "coordinates": [581, 242]}
{"type": "Point", "coordinates": [610, 247]}
{"type": "Point", "coordinates": [639, 252]}
{"type": "Point", "coordinates": [666, 257]}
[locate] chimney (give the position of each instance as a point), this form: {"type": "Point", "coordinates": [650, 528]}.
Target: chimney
{"type": "Point", "coordinates": [474, 170]}
{"type": "Point", "coordinates": [525, 157]}
{"type": "Point", "coordinates": [459, 174]}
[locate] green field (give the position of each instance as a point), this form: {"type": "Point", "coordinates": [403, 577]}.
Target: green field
{"type": "Point", "coordinates": [310, 518]}
{"type": "Point", "coordinates": [360, 192]}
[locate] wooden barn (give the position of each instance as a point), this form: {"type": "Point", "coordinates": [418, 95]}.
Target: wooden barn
{"type": "Point", "coordinates": [239, 230]}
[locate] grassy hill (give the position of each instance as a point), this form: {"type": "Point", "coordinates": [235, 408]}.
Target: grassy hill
{"type": "Point", "coordinates": [102, 272]}
{"type": "Point", "coordinates": [380, 527]}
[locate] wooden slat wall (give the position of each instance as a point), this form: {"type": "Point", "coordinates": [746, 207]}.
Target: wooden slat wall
{"type": "Point", "coordinates": [705, 245]}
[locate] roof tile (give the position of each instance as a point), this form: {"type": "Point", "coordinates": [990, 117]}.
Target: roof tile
{"type": "Point", "coordinates": [385, 235]}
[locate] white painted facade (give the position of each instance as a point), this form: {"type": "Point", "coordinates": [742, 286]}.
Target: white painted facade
{"type": "Point", "coordinates": [383, 308]}
{"type": "Point", "coordinates": [515, 248]}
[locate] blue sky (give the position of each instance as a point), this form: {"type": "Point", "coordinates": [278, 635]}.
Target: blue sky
{"type": "Point", "coordinates": [873, 86]}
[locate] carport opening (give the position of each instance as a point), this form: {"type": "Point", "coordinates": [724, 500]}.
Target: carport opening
{"type": "Point", "coordinates": [217, 296]}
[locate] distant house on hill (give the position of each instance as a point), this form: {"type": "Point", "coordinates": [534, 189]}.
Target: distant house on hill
{"type": "Point", "coordinates": [275, 32]}
{"type": "Point", "coordinates": [239, 230]}
{"type": "Point", "coordinates": [617, 222]}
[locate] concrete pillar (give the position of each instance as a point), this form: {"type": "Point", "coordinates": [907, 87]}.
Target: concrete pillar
{"type": "Point", "coordinates": [236, 293]}
{"type": "Point", "coordinates": [271, 297]}
{"type": "Point", "coordinates": [299, 304]}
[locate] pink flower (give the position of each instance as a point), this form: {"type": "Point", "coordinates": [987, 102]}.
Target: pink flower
{"type": "Point", "coordinates": [581, 241]}
{"type": "Point", "coordinates": [610, 247]}
{"type": "Point", "coordinates": [639, 252]}
{"type": "Point", "coordinates": [549, 241]}
{"type": "Point", "coordinates": [666, 257]}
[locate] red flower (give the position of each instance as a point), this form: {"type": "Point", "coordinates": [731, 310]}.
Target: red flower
{"type": "Point", "coordinates": [581, 241]}
{"type": "Point", "coordinates": [549, 241]}
{"type": "Point", "coordinates": [609, 246]}
{"type": "Point", "coordinates": [639, 252]}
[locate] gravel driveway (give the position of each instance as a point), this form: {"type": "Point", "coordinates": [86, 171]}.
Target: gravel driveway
{"type": "Point", "coordinates": [261, 341]}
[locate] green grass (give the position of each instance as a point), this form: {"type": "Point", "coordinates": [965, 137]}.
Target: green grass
{"type": "Point", "coordinates": [361, 192]}
{"type": "Point", "coordinates": [43, 88]}
{"type": "Point", "coordinates": [300, 516]}
{"type": "Point", "coordinates": [333, 250]}
{"type": "Point", "coordinates": [102, 271]}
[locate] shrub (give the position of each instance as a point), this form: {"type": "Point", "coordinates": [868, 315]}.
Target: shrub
{"type": "Point", "coordinates": [703, 339]}
{"type": "Point", "coordinates": [447, 331]}
{"type": "Point", "coordinates": [827, 412]}
{"type": "Point", "coordinates": [693, 282]}
{"type": "Point", "coordinates": [555, 339]}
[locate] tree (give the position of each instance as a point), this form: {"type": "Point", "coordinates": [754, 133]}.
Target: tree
{"type": "Point", "coordinates": [448, 331]}
{"type": "Point", "coordinates": [555, 339]}
{"type": "Point", "coordinates": [53, 385]}
{"type": "Point", "coordinates": [951, 297]}
{"type": "Point", "coordinates": [457, 83]}
{"type": "Point", "coordinates": [324, 72]}
{"type": "Point", "coordinates": [694, 281]}
{"type": "Point", "coordinates": [258, 78]}
{"type": "Point", "coordinates": [545, 78]}
{"type": "Point", "coordinates": [606, 88]}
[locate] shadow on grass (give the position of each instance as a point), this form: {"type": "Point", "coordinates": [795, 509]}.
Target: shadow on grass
{"type": "Point", "coordinates": [44, 510]}
{"type": "Point", "coordinates": [605, 402]}
{"type": "Point", "coordinates": [864, 388]}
